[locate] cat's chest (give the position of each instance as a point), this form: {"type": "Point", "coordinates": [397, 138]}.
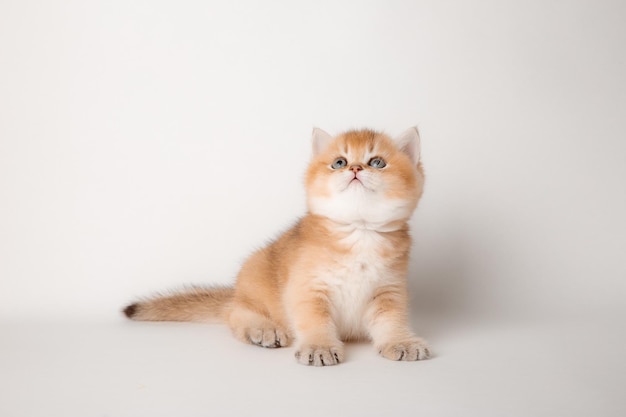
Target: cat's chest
{"type": "Point", "coordinates": [353, 279]}
{"type": "Point", "coordinates": [361, 255]}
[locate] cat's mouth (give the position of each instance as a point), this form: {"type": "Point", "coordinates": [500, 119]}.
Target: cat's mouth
{"type": "Point", "coordinates": [357, 183]}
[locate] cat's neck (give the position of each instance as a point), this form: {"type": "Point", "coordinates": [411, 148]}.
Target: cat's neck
{"type": "Point", "coordinates": [349, 227]}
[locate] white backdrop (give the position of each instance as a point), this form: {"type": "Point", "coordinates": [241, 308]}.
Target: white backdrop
{"type": "Point", "coordinates": [150, 144]}
{"type": "Point", "coordinates": [144, 145]}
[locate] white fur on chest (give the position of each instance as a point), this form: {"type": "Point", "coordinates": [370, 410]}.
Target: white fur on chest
{"type": "Point", "coordinates": [353, 280]}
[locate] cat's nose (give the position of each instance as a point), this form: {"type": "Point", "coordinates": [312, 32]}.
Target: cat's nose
{"type": "Point", "coordinates": [356, 168]}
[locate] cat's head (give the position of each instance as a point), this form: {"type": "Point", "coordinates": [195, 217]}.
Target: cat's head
{"type": "Point", "coordinates": [364, 177]}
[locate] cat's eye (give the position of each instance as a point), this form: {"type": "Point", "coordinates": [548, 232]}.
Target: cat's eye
{"type": "Point", "coordinates": [339, 163]}
{"type": "Point", "coordinates": [377, 162]}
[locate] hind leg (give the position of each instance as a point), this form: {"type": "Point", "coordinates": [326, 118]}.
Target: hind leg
{"type": "Point", "coordinates": [252, 327]}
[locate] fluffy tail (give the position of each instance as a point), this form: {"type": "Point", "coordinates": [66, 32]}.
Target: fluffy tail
{"type": "Point", "coordinates": [194, 304]}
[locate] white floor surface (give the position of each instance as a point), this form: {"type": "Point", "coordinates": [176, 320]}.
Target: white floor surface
{"type": "Point", "coordinates": [169, 369]}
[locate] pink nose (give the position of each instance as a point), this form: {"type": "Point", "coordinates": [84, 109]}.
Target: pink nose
{"type": "Point", "coordinates": [356, 168]}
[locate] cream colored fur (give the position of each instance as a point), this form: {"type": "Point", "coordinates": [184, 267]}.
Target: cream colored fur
{"type": "Point", "coordinates": [340, 273]}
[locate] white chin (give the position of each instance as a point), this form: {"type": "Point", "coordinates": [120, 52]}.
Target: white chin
{"type": "Point", "coordinates": [356, 205]}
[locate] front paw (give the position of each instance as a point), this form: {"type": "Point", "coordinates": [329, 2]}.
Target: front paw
{"type": "Point", "coordinates": [268, 337]}
{"type": "Point", "coordinates": [414, 349]}
{"type": "Point", "coordinates": [319, 355]}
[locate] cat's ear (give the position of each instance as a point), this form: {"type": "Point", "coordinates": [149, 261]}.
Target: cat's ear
{"type": "Point", "coordinates": [320, 140]}
{"type": "Point", "coordinates": [409, 143]}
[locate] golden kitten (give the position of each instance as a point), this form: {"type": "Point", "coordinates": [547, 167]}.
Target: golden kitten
{"type": "Point", "coordinates": [339, 273]}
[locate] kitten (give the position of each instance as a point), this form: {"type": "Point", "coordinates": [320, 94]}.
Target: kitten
{"type": "Point", "coordinates": [339, 273]}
